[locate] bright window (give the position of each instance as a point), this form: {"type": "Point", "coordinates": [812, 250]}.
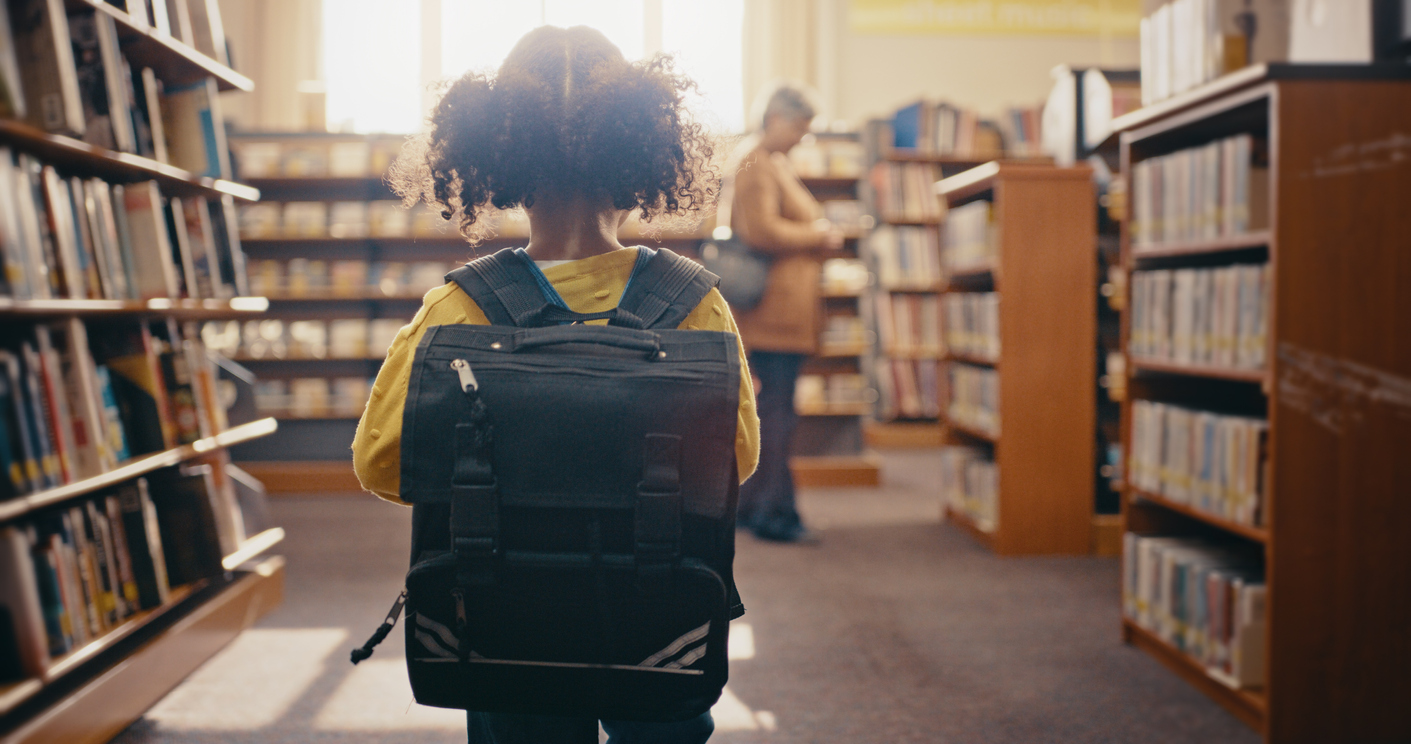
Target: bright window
{"type": "Point", "coordinates": [377, 88]}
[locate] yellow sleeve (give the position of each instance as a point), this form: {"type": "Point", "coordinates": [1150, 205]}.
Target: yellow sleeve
{"type": "Point", "coordinates": [713, 314]}
{"type": "Point", "coordinates": [377, 445]}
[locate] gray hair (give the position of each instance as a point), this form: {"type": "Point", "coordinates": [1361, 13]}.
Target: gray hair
{"type": "Point", "coordinates": [790, 101]}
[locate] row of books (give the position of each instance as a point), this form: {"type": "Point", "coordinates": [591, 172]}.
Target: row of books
{"type": "Point", "coordinates": [73, 574]}
{"type": "Point", "coordinates": [970, 485]}
{"type": "Point", "coordinates": [845, 333]}
{"type": "Point", "coordinates": [908, 324]}
{"type": "Point", "coordinates": [906, 256]}
{"type": "Point", "coordinates": [940, 128]}
{"type": "Point", "coordinates": [384, 218]}
{"type": "Point", "coordinates": [1212, 462]}
{"type": "Point", "coordinates": [1207, 600]}
{"type": "Point", "coordinates": [1200, 193]}
{"type": "Point", "coordinates": [1185, 43]}
{"type": "Point", "coordinates": [305, 277]}
{"type": "Point", "coordinates": [76, 238]}
{"type": "Point", "coordinates": [342, 338]}
{"type": "Point", "coordinates": [825, 157]}
{"type": "Point", "coordinates": [1212, 316]}
{"type": "Point", "coordinates": [974, 398]}
{"type": "Point", "coordinates": [972, 324]}
{"type": "Point", "coordinates": [64, 72]}
{"type": "Point", "coordinates": [827, 393]}
{"type": "Point", "coordinates": [315, 157]}
{"type": "Point", "coordinates": [76, 402]}
{"type": "Point", "coordinates": [907, 389]}
{"type": "Point", "coordinates": [312, 397]}
{"type": "Point", "coordinates": [906, 192]}
{"type": "Point", "coordinates": [968, 241]}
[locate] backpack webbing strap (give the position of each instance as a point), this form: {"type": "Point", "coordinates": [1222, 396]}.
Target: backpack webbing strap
{"type": "Point", "coordinates": [657, 522]}
{"type": "Point", "coordinates": [503, 287]}
{"type": "Point", "coordinates": [667, 290]}
{"type": "Point", "coordinates": [475, 506]}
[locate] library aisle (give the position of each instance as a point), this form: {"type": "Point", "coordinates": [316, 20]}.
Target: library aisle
{"type": "Point", "coordinates": [896, 628]}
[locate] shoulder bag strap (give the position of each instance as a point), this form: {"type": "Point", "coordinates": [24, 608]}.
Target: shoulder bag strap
{"type": "Point", "coordinates": [667, 290]}
{"type": "Point", "coordinates": [503, 287]}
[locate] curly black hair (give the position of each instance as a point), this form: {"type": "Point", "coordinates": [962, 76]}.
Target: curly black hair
{"type": "Point", "coordinates": [566, 113]}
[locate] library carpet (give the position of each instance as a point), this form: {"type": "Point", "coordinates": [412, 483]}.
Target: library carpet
{"type": "Point", "coordinates": [896, 628]}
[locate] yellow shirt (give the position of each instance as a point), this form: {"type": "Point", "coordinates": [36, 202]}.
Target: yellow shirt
{"type": "Point", "coordinates": [590, 285]}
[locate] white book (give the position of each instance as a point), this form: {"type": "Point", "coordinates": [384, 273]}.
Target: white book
{"type": "Point", "coordinates": [19, 595]}
{"type": "Point", "coordinates": [152, 263]}
{"type": "Point", "coordinates": [14, 252]}
{"type": "Point", "coordinates": [61, 224]}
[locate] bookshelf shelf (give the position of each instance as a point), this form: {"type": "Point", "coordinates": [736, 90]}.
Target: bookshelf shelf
{"type": "Point", "coordinates": [963, 521]}
{"type": "Point", "coordinates": [970, 273]}
{"type": "Point", "coordinates": [1259, 239]}
{"type": "Point", "coordinates": [1044, 222]}
{"type": "Point", "coordinates": [841, 352]}
{"type": "Point", "coordinates": [861, 409]}
{"type": "Point", "coordinates": [23, 505]}
{"type": "Point", "coordinates": [157, 657]}
{"type": "Point", "coordinates": [829, 183]}
{"type": "Point", "coordinates": [181, 309]}
{"type": "Point", "coordinates": [362, 294]}
{"type": "Point", "coordinates": [908, 221]}
{"type": "Point", "coordinates": [932, 288]}
{"type": "Point", "coordinates": [64, 665]}
{"type": "Point", "coordinates": [973, 432]}
{"type": "Point", "coordinates": [904, 435]}
{"type": "Point", "coordinates": [1140, 365]}
{"type": "Point", "coordinates": [1249, 532]}
{"type": "Point", "coordinates": [1335, 561]}
{"type": "Point", "coordinates": [1249, 706]}
{"type": "Point", "coordinates": [80, 157]}
{"type": "Point", "coordinates": [971, 359]}
{"type": "Point", "coordinates": [176, 63]}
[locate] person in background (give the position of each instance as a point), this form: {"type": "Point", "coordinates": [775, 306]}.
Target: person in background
{"type": "Point", "coordinates": [774, 213]}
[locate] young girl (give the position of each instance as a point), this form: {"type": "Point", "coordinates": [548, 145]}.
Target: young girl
{"type": "Point", "coordinates": [581, 138]}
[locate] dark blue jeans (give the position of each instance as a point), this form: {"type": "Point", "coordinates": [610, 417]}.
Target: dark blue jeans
{"type": "Point", "coordinates": [767, 498]}
{"type": "Point", "coordinates": [504, 728]}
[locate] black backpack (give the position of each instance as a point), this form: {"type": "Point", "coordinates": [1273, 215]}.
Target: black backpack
{"type": "Point", "coordinates": [574, 491]}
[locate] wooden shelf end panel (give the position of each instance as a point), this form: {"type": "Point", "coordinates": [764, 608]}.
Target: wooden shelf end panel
{"type": "Point", "coordinates": [99, 710]}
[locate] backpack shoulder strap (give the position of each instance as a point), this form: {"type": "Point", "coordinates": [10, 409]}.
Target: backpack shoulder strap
{"type": "Point", "coordinates": [668, 288]}
{"type": "Point", "coordinates": [503, 287]}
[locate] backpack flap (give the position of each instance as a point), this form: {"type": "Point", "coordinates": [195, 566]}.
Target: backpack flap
{"type": "Point", "coordinates": [572, 408]}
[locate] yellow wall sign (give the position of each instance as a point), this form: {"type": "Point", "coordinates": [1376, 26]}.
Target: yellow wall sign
{"type": "Point", "coordinates": [997, 17]}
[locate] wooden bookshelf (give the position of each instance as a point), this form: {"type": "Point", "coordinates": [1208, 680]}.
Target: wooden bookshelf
{"type": "Point", "coordinates": [80, 158]}
{"type": "Point", "coordinates": [135, 468]}
{"type": "Point", "coordinates": [1045, 273]}
{"type": "Point", "coordinates": [181, 309]}
{"type": "Point", "coordinates": [968, 525]}
{"type": "Point", "coordinates": [1333, 540]}
{"type": "Point", "coordinates": [177, 64]}
{"type": "Point", "coordinates": [97, 689]}
{"type": "Point", "coordinates": [156, 659]}
{"type": "Point", "coordinates": [904, 435]}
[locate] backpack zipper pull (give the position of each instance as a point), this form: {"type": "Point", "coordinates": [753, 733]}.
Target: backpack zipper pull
{"type": "Point", "coordinates": [359, 654]}
{"type": "Point", "coordinates": [462, 624]}
{"type": "Point", "coordinates": [468, 382]}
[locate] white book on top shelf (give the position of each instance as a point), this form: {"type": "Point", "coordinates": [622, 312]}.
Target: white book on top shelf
{"type": "Point", "coordinates": [48, 76]}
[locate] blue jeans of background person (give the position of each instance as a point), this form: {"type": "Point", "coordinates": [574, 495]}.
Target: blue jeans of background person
{"type": "Point", "coordinates": [505, 728]}
{"type": "Point", "coordinates": [767, 498]}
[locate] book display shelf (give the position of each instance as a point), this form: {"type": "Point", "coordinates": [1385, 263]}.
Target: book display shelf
{"type": "Point", "coordinates": [1017, 381]}
{"type": "Point", "coordinates": [833, 396]}
{"type": "Point", "coordinates": [1265, 508]}
{"type": "Point", "coordinates": [906, 155]}
{"type": "Point", "coordinates": [126, 558]}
